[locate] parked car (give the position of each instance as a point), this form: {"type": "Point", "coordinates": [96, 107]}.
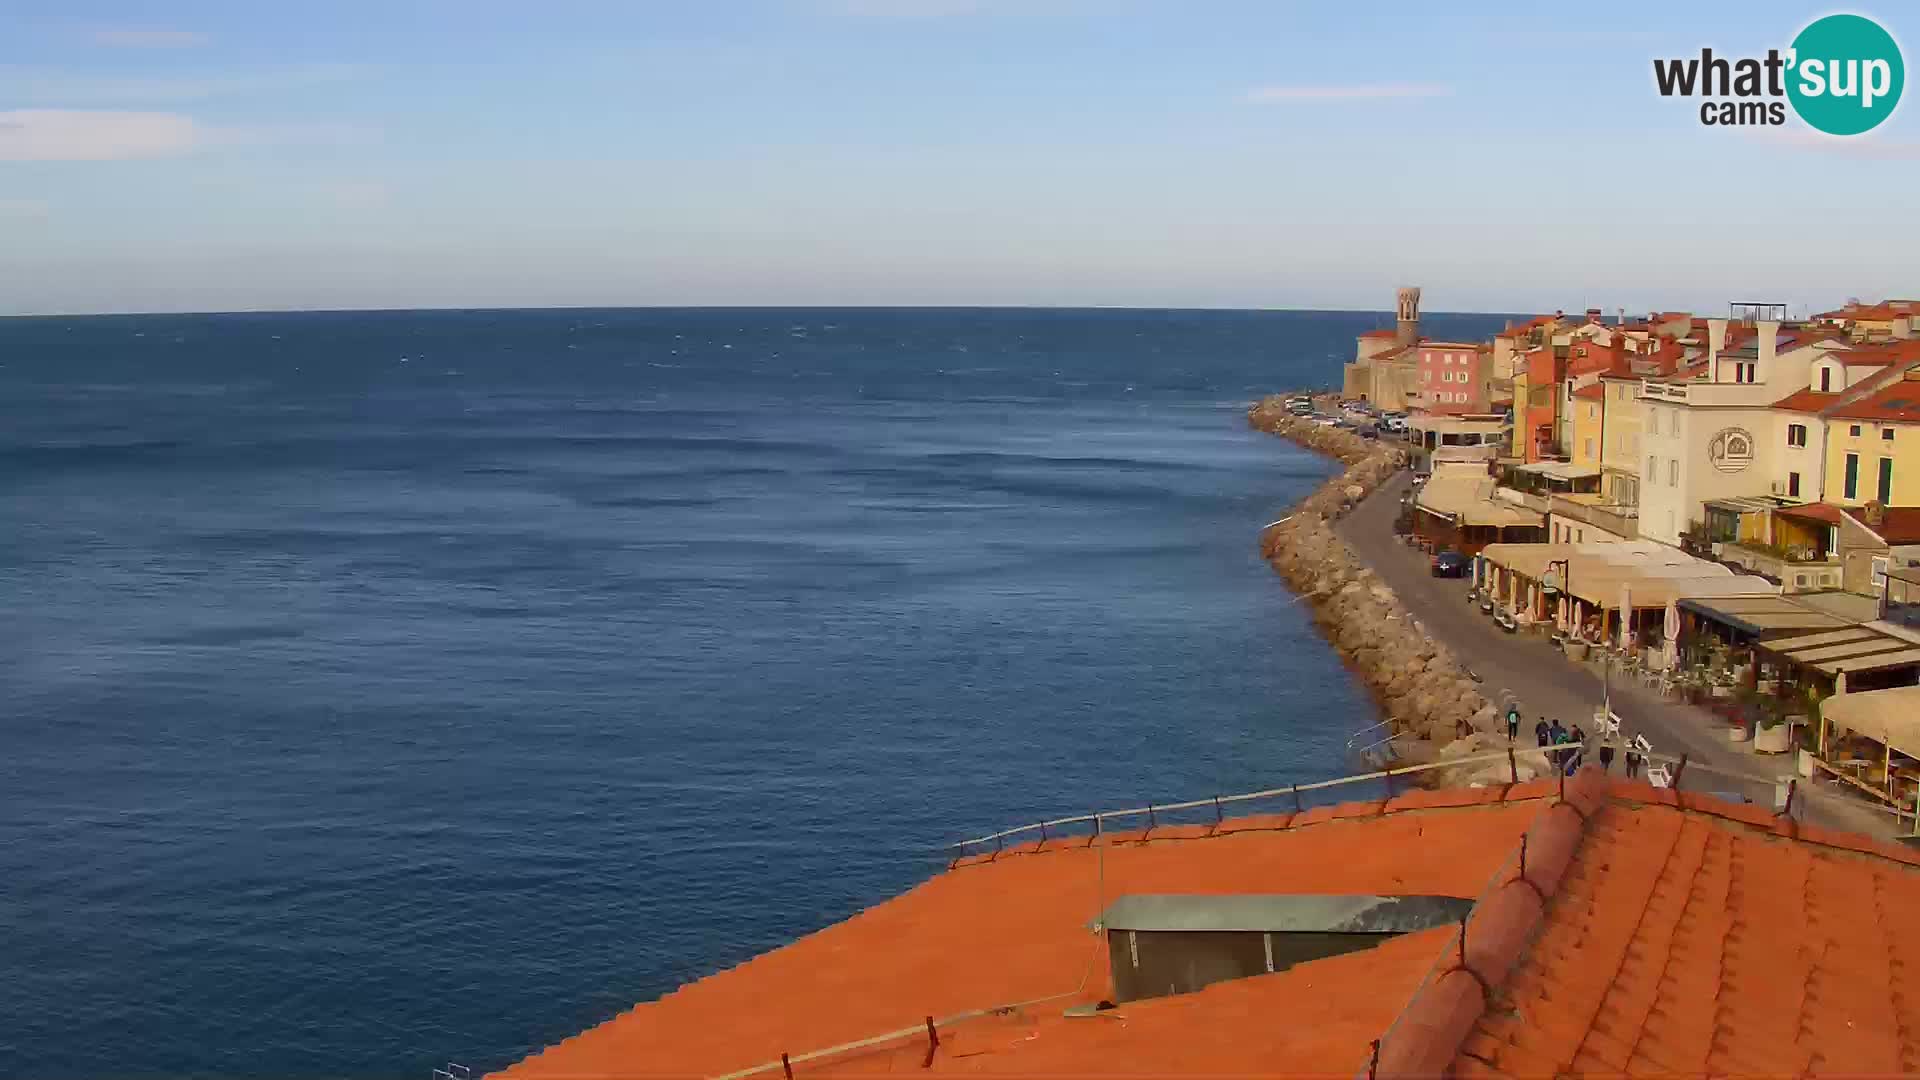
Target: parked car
{"type": "Point", "coordinates": [1300, 406]}
{"type": "Point", "coordinates": [1451, 563]}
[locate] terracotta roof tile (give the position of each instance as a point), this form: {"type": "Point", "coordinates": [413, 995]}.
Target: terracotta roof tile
{"type": "Point", "coordinates": [1714, 948]}
{"type": "Point", "coordinates": [1651, 933]}
{"type": "Point", "coordinates": [1806, 401]}
{"type": "Point", "coordinates": [1023, 917]}
{"type": "Point", "coordinates": [1897, 402]}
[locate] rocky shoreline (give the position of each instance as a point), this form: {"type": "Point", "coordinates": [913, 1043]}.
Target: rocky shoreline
{"type": "Point", "coordinates": [1434, 705]}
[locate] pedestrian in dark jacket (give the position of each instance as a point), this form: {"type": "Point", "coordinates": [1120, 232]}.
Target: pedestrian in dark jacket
{"type": "Point", "coordinates": [1513, 725]}
{"type": "Point", "coordinates": [1556, 734]}
{"type": "Point", "coordinates": [1633, 763]}
{"type": "Point", "coordinates": [1543, 732]}
{"type": "Point", "coordinates": [1606, 755]}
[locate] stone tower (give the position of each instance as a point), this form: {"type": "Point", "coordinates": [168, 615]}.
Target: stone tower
{"type": "Point", "coordinates": [1407, 326]}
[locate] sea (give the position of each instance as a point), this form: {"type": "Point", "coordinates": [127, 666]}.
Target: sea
{"type": "Point", "coordinates": [386, 689]}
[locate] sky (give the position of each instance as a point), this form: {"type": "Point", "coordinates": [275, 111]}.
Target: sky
{"type": "Point", "coordinates": [202, 155]}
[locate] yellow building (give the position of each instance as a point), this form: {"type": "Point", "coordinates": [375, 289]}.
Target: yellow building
{"type": "Point", "coordinates": [1517, 447]}
{"type": "Point", "coordinates": [1589, 424]}
{"type": "Point", "coordinates": [1620, 439]}
{"type": "Point", "coordinates": [1873, 447]}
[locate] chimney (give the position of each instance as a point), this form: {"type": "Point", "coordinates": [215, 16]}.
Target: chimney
{"type": "Point", "coordinates": [1769, 331]}
{"type": "Point", "coordinates": [1903, 327]}
{"type": "Point", "coordinates": [1874, 514]}
{"type": "Point", "coordinates": [1716, 339]}
{"type": "Point", "coordinates": [1621, 319]}
{"type": "Point", "coordinates": [1593, 315]}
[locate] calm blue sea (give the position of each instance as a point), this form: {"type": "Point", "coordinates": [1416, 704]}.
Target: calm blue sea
{"type": "Point", "coordinates": [388, 688]}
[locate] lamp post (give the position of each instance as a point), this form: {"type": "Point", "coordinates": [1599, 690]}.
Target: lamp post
{"type": "Point", "coordinates": [1551, 586]}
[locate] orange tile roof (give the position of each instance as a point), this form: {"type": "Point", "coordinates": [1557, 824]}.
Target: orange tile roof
{"type": "Point", "coordinates": [1591, 392]}
{"type": "Point", "coordinates": [1687, 939]}
{"type": "Point", "coordinates": [997, 930]}
{"type": "Point", "coordinates": [1880, 354]}
{"type": "Point", "coordinates": [1334, 1008]}
{"type": "Point", "coordinates": [1897, 402]}
{"type": "Point", "coordinates": [1379, 333]}
{"type": "Point", "coordinates": [1899, 525]}
{"type": "Point", "coordinates": [1806, 401]}
{"type": "Point", "coordinates": [1822, 512]}
{"type": "Point", "coordinates": [1640, 931]}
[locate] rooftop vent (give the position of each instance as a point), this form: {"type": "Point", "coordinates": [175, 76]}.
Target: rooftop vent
{"type": "Point", "coordinates": [1177, 944]}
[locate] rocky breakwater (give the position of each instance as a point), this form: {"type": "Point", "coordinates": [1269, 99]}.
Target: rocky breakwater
{"type": "Point", "coordinates": [1435, 708]}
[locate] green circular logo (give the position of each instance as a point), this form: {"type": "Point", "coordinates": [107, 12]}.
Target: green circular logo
{"type": "Point", "coordinates": [1846, 75]}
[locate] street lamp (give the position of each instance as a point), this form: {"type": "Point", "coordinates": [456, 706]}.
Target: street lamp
{"type": "Point", "coordinates": [1551, 586]}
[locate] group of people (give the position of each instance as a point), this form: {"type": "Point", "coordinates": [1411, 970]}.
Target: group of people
{"type": "Point", "coordinates": [1553, 733]}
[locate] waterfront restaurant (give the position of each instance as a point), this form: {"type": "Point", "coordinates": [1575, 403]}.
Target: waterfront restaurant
{"type": "Point", "coordinates": [1622, 594]}
{"type": "Point", "coordinates": [1871, 741]}
{"type": "Point", "coordinates": [1457, 509]}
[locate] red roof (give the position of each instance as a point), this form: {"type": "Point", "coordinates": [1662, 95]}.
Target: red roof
{"type": "Point", "coordinates": [1898, 524]}
{"type": "Point", "coordinates": [1880, 354]}
{"type": "Point", "coordinates": [1379, 333]}
{"type": "Point", "coordinates": [1592, 392]}
{"type": "Point", "coordinates": [1825, 512]}
{"type": "Point", "coordinates": [1806, 401]}
{"type": "Point", "coordinates": [1897, 402]}
{"type": "Point", "coordinates": [1643, 931]}
{"type": "Point", "coordinates": [1013, 927]}
{"type": "Point", "coordinates": [1696, 937]}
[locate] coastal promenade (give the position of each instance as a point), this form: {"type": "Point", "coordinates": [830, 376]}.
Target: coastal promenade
{"type": "Point", "coordinates": [1547, 683]}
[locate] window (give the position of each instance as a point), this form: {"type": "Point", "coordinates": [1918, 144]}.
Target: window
{"type": "Point", "coordinates": [1593, 412]}
{"type": "Point", "coordinates": [1854, 431]}
{"type": "Point", "coordinates": [1793, 485]}
{"type": "Point", "coordinates": [1673, 472]}
{"type": "Point", "coordinates": [1426, 376]}
{"type": "Point", "coordinates": [1886, 480]}
{"type": "Point", "coordinates": [1653, 420]}
{"type": "Point", "coordinates": [1851, 490]}
{"type": "Point", "coordinates": [1428, 357]}
{"type": "Point", "coordinates": [1589, 447]}
{"type": "Point", "coordinates": [1796, 434]}
{"type": "Point", "coordinates": [1826, 380]}
{"type": "Point", "coordinates": [1653, 469]}
{"type": "Point", "coordinates": [1886, 433]}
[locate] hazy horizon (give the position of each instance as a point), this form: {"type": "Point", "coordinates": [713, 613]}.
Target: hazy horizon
{"type": "Point", "coordinates": [917, 153]}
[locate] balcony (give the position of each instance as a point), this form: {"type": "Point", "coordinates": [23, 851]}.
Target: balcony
{"type": "Point", "coordinates": [1797, 569]}
{"type": "Point", "coordinates": [1621, 521]}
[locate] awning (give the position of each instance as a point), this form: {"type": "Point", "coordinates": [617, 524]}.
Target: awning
{"type": "Point", "coordinates": [1763, 615]}
{"type": "Point", "coordinates": [1463, 493]}
{"type": "Point", "coordinates": [1654, 575]}
{"type": "Point", "coordinates": [1560, 470]}
{"type": "Point", "coordinates": [1856, 649]}
{"type": "Point", "coordinates": [1889, 717]}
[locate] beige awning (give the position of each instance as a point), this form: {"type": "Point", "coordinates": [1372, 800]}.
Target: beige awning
{"type": "Point", "coordinates": [1889, 717]}
{"type": "Point", "coordinates": [1464, 493]}
{"type": "Point", "coordinates": [1760, 615]}
{"type": "Point", "coordinates": [1651, 575]}
{"type": "Point", "coordinates": [1852, 650]}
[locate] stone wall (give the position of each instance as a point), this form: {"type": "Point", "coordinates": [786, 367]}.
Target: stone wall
{"type": "Point", "coordinates": [1422, 688]}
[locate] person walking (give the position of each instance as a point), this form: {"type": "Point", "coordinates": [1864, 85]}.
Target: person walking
{"type": "Point", "coordinates": [1556, 734]}
{"type": "Point", "coordinates": [1513, 725]}
{"type": "Point", "coordinates": [1578, 740]}
{"type": "Point", "coordinates": [1543, 732]}
{"type": "Point", "coordinates": [1606, 754]}
{"type": "Point", "coordinates": [1633, 762]}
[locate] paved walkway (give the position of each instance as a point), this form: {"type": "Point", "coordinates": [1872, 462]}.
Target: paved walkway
{"type": "Point", "coordinates": [1547, 683]}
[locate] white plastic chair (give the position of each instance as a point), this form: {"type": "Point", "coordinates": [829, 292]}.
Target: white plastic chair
{"type": "Point", "coordinates": [1641, 744]}
{"type": "Point", "coordinates": [1660, 776]}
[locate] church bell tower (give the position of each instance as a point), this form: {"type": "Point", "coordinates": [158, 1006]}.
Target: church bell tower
{"type": "Point", "coordinates": [1407, 316]}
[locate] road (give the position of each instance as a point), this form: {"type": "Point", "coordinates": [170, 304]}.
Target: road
{"type": "Point", "coordinates": [1547, 683]}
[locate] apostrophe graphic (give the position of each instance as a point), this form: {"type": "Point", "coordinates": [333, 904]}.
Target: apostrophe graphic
{"type": "Point", "coordinates": [1847, 74]}
{"type": "Point", "coordinates": [1731, 450]}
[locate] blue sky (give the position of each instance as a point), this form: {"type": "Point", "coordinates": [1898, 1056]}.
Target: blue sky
{"type": "Point", "coordinates": [1210, 153]}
